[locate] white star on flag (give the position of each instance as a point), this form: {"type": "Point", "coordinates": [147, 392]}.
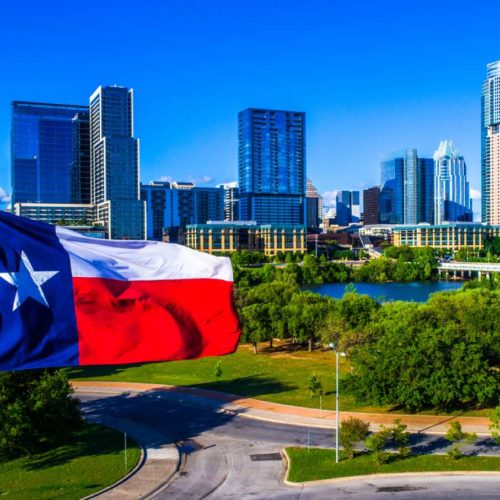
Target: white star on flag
{"type": "Point", "coordinates": [28, 282]}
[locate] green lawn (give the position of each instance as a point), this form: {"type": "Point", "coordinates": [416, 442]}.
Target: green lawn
{"type": "Point", "coordinates": [279, 375]}
{"type": "Point", "coordinates": [94, 461]}
{"type": "Point", "coordinates": [320, 464]}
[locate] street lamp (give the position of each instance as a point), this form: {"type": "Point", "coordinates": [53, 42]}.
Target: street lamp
{"type": "Point", "coordinates": [337, 353]}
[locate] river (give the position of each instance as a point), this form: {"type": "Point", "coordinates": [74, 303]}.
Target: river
{"type": "Point", "coordinates": [417, 291]}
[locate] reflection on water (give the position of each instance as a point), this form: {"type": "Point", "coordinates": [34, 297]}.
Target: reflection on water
{"type": "Point", "coordinates": [417, 291]}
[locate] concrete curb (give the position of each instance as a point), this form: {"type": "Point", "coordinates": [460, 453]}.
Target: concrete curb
{"type": "Point", "coordinates": [150, 458]}
{"type": "Point", "coordinates": [286, 414]}
{"type": "Point", "coordinates": [396, 475]}
{"type": "Point", "coordinates": [139, 465]}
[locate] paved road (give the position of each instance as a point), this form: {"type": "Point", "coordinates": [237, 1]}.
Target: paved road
{"type": "Point", "coordinates": [225, 455]}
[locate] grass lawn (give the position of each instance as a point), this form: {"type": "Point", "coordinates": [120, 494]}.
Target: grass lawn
{"type": "Point", "coordinates": [279, 375]}
{"type": "Point", "coordinates": [320, 464]}
{"type": "Point", "coordinates": [95, 460]}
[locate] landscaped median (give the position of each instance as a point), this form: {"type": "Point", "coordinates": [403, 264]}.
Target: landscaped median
{"type": "Point", "coordinates": [95, 460]}
{"type": "Point", "coordinates": [319, 464]}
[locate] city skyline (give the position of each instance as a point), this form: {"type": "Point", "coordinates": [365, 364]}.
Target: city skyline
{"type": "Point", "coordinates": [337, 89]}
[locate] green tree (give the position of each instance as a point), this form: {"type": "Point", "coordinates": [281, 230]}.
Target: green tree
{"type": "Point", "coordinates": [495, 424]}
{"type": "Point", "coordinates": [37, 411]}
{"type": "Point", "coordinates": [458, 439]}
{"type": "Point", "coordinates": [377, 443]}
{"type": "Point", "coordinates": [352, 431]}
{"type": "Point", "coordinates": [400, 437]}
{"type": "Point", "coordinates": [218, 370]}
{"type": "Point", "coordinates": [315, 386]}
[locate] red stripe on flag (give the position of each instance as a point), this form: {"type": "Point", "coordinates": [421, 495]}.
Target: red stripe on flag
{"type": "Point", "coordinates": [139, 321]}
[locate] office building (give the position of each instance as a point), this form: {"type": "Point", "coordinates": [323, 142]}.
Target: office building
{"type": "Point", "coordinates": [228, 237]}
{"type": "Point", "coordinates": [452, 236]}
{"type": "Point", "coordinates": [451, 189]}
{"type": "Point", "coordinates": [371, 205]}
{"type": "Point", "coordinates": [347, 207]}
{"type": "Point", "coordinates": [114, 164]}
{"type": "Point", "coordinates": [314, 206]}
{"type": "Point", "coordinates": [490, 145]}
{"type": "Point", "coordinates": [407, 188]}
{"type": "Point", "coordinates": [272, 166]}
{"type": "Point", "coordinates": [80, 166]}
{"type": "Point", "coordinates": [42, 151]}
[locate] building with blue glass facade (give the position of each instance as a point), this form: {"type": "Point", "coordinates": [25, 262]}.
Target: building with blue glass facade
{"type": "Point", "coordinates": [42, 148]}
{"type": "Point", "coordinates": [406, 188]}
{"type": "Point", "coordinates": [170, 207]}
{"type": "Point", "coordinates": [272, 166]}
{"type": "Point", "coordinates": [347, 207]}
{"type": "Point", "coordinates": [114, 164]}
{"type": "Point", "coordinates": [451, 201]}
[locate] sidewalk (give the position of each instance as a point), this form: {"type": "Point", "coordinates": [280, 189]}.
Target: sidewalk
{"type": "Point", "coordinates": [159, 461]}
{"type": "Point", "coordinates": [286, 414]}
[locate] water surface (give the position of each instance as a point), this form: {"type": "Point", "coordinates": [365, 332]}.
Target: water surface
{"type": "Point", "coordinates": [417, 291]}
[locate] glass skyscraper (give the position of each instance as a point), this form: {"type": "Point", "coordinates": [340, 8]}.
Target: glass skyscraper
{"type": "Point", "coordinates": [114, 163]}
{"type": "Point", "coordinates": [407, 188]}
{"type": "Point", "coordinates": [347, 207]}
{"type": "Point", "coordinates": [42, 145]}
{"type": "Point", "coordinates": [392, 188]}
{"type": "Point", "coordinates": [490, 146]}
{"type": "Point", "coordinates": [451, 189]}
{"type": "Point", "coordinates": [272, 166]}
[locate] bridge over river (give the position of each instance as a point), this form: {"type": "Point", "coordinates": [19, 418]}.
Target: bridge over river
{"type": "Point", "coordinates": [469, 269]}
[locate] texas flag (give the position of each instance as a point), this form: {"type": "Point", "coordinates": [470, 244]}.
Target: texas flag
{"type": "Point", "coordinates": [70, 300]}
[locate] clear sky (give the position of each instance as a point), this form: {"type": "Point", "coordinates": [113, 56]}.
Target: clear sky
{"type": "Point", "coordinates": [373, 76]}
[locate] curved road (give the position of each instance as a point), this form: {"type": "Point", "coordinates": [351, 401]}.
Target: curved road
{"type": "Point", "coordinates": [225, 455]}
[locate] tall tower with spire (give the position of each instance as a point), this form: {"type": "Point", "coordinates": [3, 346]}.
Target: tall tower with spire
{"type": "Point", "coordinates": [451, 189]}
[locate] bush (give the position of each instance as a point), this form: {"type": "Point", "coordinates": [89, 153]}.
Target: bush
{"type": "Point", "coordinates": [37, 411]}
{"type": "Point", "coordinates": [377, 443]}
{"type": "Point", "coordinates": [458, 439]}
{"type": "Point", "coordinates": [352, 431]}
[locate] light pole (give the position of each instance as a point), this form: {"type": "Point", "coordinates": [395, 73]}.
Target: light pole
{"type": "Point", "coordinates": [337, 419]}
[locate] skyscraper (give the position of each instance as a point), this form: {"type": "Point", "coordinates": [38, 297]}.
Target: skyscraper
{"type": "Point", "coordinates": [314, 205]}
{"type": "Point", "coordinates": [231, 201]}
{"type": "Point", "coordinates": [371, 205]}
{"type": "Point", "coordinates": [114, 163]}
{"type": "Point", "coordinates": [42, 151]}
{"type": "Point", "coordinates": [348, 207]}
{"type": "Point", "coordinates": [80, 166]}
{"type": "Point", "coordinates": [407, 188]}
{"type": "Point", "coordinates": [272, 166]}
{"type": "Point", "coordinates": [392, 188]}
{"type": "Point", "coordinates": [451, 189]}
{"type": "Point", "coordinates": [490, 146]}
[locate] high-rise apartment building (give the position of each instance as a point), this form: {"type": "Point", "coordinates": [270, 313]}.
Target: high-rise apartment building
{"type": "Point", "coordinates": [42, 151]}
{"type": "Point", "coordinates": [490, 146]}
{"type": "Point", "coordinates": [407, 185]}
{"type": "Point", "coordinates": [231, 201]}
{"type": "Point", "coordinates": [114, 163]}
{"type": "Point", "coordinates": [272, 166]}
{"type": "Point", "coordinates": [314, 206]}
{"type": "Point", "coordinates": [170, 207]}
{"type": "Point", "coordinates": [347, 207]}
{"type": "Point", "coordinates": [371, 205]}
{"type": "Point", "coordinates": [451, 189]}
{"type": "Point", "coordinates": [162, 208]}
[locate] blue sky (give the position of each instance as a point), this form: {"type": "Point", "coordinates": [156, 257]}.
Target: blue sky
{"type": "Point", "coordinates": [372, 76]}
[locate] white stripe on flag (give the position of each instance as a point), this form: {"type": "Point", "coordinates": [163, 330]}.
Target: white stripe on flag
{"type": "Point", "coordinates": [133, 260]}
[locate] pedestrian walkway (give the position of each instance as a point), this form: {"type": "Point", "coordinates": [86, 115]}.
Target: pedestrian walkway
{"type": "Point", "coordinates": [159, 461]}
{"type": "Point", "coordinates": [286, 414]}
